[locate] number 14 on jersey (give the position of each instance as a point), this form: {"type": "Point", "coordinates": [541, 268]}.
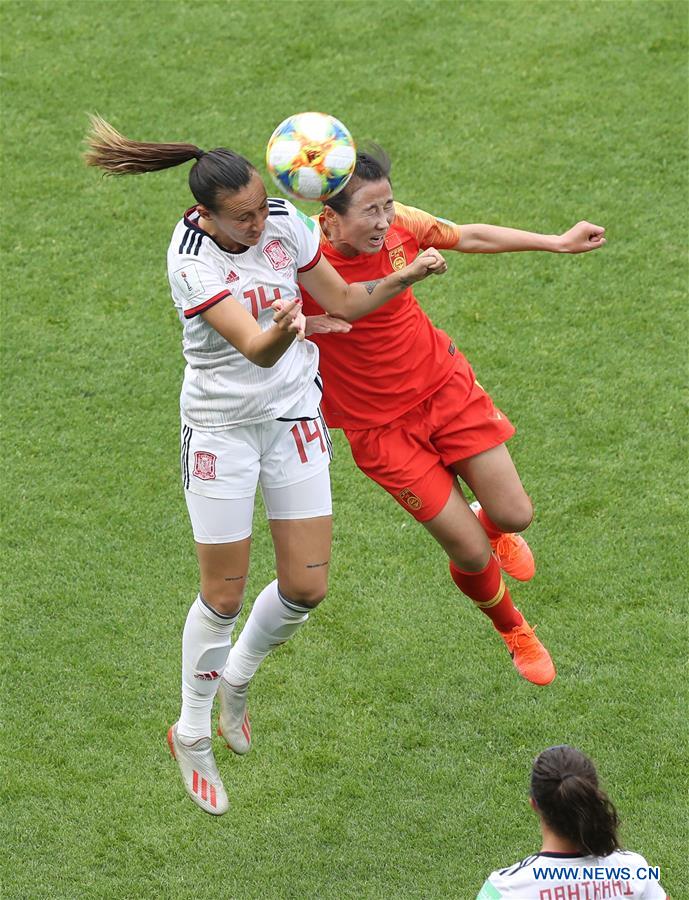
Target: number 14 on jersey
{"type": "Point", "coordinates": [259, 299]}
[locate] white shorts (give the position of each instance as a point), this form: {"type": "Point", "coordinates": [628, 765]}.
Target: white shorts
{"type": "Point", "coordinates": [288, 457]}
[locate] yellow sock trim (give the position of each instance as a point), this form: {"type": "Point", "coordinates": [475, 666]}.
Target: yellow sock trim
{"type": "Point", "coordinates": [488, 604]}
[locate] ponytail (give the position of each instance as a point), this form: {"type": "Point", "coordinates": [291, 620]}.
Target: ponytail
{"type": "Point", "coordinates": [564, 786]}
{"type": "Point", "coordinates": [213, 172]}
{"type": "Point", "coordinates": [117, 155]}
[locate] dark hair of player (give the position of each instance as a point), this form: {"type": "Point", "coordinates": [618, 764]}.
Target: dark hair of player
{"type": "Point", "coordinates": [564, 786]}
{"type": "Point", "coordinates": [213, 172]}
{"type": "Point", "coordinates": [372, 164]}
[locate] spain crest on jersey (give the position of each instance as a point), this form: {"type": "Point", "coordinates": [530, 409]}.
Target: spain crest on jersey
{"type": "Point", "coordinates": [279, 258]}
{"type": "Point", "coordinates": [204, 465]}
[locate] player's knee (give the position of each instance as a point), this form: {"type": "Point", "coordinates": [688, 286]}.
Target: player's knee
{"type": "Point", "coordinates": [225, 600]}
{"type": "Point", "coordinates": [518, 517]}
{"type": "Point", "coordinates": [523, 523]}
{"type": "Point", "coordinates": [311, 597]}
{"type": "Point", "coordinates": [308, 594]}
{"type": "Point", "coordinates": [471, 559]}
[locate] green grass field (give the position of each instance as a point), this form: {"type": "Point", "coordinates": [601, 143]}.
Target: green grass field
{"type": "Point", "coordinates": [393, 739]}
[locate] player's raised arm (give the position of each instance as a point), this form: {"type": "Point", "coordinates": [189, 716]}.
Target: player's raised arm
{"type": "Point", "coordinates": [580, 238]}
{"type": "Point", "coordinates": [239, 328]}
{"type": "Point", "coordinates": [352, 301]}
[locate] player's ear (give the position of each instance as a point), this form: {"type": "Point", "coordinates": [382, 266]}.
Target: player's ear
{"type": "Point", "coordinates": [329, 215]}
{"type": "Point", "coordinates": [204, 212]}
{"type": "Point", "coordinates": [533, 804]}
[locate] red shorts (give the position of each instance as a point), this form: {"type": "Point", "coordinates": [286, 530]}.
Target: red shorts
{"type": "Point", "coordinates": [411, 457]}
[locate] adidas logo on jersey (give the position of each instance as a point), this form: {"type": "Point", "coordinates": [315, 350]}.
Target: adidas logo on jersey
{"type": "Point", "coordinates": [231, 277]}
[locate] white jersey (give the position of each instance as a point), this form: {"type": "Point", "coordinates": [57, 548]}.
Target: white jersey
{"type": "Point", "coordinates": [561, 876]}
{"type": "Point", "coordinates": [222, 388]}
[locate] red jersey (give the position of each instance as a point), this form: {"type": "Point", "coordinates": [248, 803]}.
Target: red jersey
{"type": "Point", "coordinates": [395, 357]}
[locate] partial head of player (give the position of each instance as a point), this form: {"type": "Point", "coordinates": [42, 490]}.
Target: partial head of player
{"type": "Point", "coordinates": [230, 195]}
{"type": "Point", "coordinates": [235, 216]}
{"type": "Point", "coordinates": [359, 216]}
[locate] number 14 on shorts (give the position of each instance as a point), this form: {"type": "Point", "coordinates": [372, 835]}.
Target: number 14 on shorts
{"type": "Point", "coordinates": [307, 432]}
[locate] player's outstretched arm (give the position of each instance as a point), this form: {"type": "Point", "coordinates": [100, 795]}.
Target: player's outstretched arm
{"type": "Point", "coordinates": [580, 238]}
{"type": "Point", "coordinates": [239, 328]}
{"type": "Point", "coordinates": [351, 301]}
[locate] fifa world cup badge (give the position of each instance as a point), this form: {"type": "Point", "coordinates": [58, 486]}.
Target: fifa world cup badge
{"type": "Point", "coordinates": [397, 258]}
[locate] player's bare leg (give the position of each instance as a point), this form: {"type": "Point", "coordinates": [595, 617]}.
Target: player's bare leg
{"type": "Point", "coordinates": [494, 479]}
{"type": "Point", "coordinates": [476, 573]}
{"type": "Point", "coordinates": [205, 646]}
{"type": "Point", "coordinates": [302, 555]}
{"type": "Point", "coordinates": [503, 508]}
{"type": "Point", "coordinates": [302, 552]}
{"type": "Point", "coordinates": [459, 533]}
{"type": "Point", "coordinates": [224, 569]}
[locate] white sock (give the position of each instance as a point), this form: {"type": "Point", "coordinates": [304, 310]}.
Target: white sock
{"type": "Point", "coordinates": [273, 620]}
{"type": "Point", "coordinates": [206, 643]}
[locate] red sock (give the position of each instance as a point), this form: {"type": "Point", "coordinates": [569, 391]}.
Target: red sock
{"type": "Point", "coordinates": [489, 526]}
{"type": "Point", "coordinates": [489, 592]}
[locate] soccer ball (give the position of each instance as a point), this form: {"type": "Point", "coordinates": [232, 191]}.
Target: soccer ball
{"type": "Point", "coordinates": [311, 156]}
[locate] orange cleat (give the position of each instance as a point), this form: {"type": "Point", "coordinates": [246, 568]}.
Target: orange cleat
{"type": "Point", "coordinates": [513, 554]}
{"type": "Point", "coordinates": [529, 656]}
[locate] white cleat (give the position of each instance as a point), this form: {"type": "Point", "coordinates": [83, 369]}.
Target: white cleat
{"type": "Point", "coordinates": [199, 772]}
{"type": "Point", "coordinates": [234, 725]}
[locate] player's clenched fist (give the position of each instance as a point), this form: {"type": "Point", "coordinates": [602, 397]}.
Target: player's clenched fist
{"type": "Point", "coordinates": [430, 262]}
{"type": "Point", "coordinates": [290, 318]}
{"type": "Point", "coordinates": [582, 237]}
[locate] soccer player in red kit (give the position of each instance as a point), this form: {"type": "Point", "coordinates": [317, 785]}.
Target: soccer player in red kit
{"type": "Point", "coordinates": [409, 404]}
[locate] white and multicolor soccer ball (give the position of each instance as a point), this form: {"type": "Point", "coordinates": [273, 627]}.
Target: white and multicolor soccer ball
{"type": "Point", "coordinates": [311, 156]}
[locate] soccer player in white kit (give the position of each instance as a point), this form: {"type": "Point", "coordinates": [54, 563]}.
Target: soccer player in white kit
{"type": "Point", "coordinates": [250, 415]}
{"type": "Point", "coordinates": [580, 858]}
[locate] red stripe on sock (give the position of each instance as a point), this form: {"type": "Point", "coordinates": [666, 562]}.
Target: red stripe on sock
{"type": "Point", "coordinates": [484, 586]}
